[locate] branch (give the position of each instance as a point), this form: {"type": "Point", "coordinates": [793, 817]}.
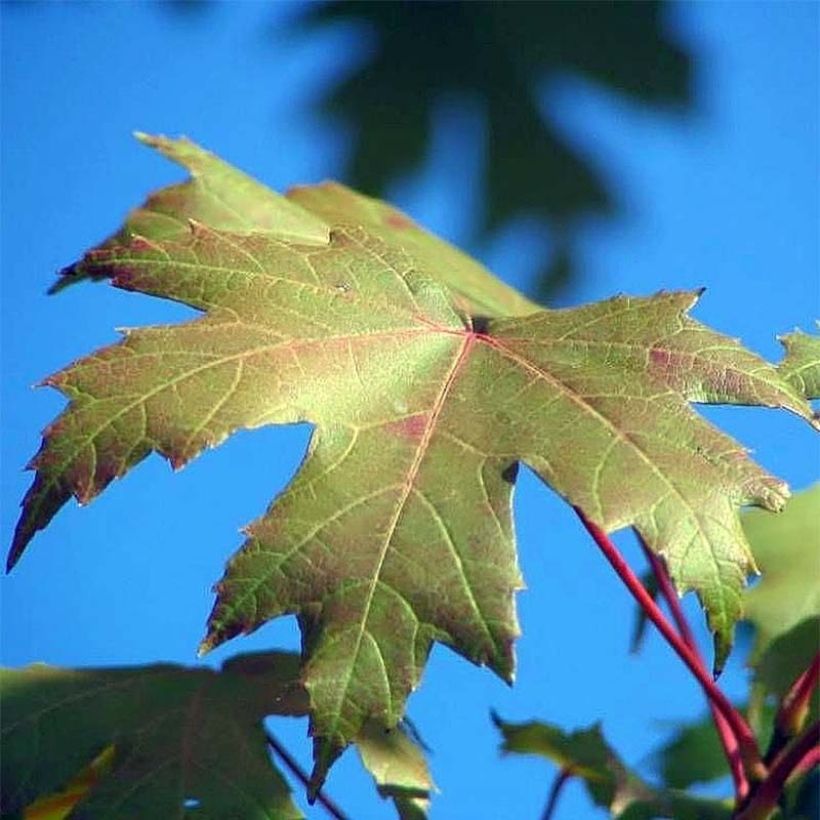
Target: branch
{"type": "Point", "coordinates": [728, 739]}
{"type": "Point", "coordinates": [793, 709]}
{"type": "Point", "coordinates": [302, 776]}
{"type": "Point", "coordinates": [745, 737]}
{"type": "Point", "coordinates": [555, 792]}
{"type": "Point", "coordinates": [798, 757]}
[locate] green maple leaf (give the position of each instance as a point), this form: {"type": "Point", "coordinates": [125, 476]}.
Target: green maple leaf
{"type": "Point", "coordinates": [428, 381]}
{"type": "Point", "coordinates": [187, 742]}
{"type": "Point", "coordinates": [609, 782]}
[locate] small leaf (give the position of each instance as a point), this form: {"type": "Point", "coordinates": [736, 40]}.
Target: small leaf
{"type": "Point", "coordinates": [694, 755]}
{"type": "Point", "coordinates": [801, 365]}
{"type": "Point", "coordinates": [179, 734]}
{"type": "Point", "coordinates": [586, 754]}
{"type": "Point", "coordinates": [398, 767]}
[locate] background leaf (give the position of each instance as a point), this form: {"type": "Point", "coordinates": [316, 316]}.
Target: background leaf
{"type": "Point", "coordinates": [502, 56]}
{"type": "Point", "coordinates": [586, 755]}
{"type": "Point", "coordinates": [786, 547]}
{"type": "Point", "coordinates": [694, 755]}
{"type": "Point", "coordinates": [188, 742]}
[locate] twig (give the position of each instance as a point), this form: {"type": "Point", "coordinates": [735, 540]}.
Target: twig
{"type": "Point", "coordinates": [728, 740]}
{"type": "Point", "coordinates": [793, 709]}
{"type": "Point", "coordinates": [798, 756]}
{"type": "Point", "coordinates": [555, 792]}
{"type": "Point", "coordinates": [745, 737]}
{"type": "Point", "coordinates": [302, 776]}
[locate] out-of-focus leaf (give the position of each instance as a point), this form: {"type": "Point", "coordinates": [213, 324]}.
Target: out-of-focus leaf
{"type": "Point", "coordinates": [786, 548]}
{"type": "Point", "coordinates": [803, 798]}
{"type": "Point", "coordinates": [586, 754]}
{"type": "Point", "coordinates": [694, 754]}
{"type": "Point", "coordinates": [399, 768]}
{"type": "Point", "coordinates": [801, 365]}
{"type": "Point", "coordinates": [187, 742]}
{"type": "Point", "coordinates": [397, 530]}
{"type": "Point", "coordinates": [502, 54]}
{"type": "Point", "coordinates": [787, 656]}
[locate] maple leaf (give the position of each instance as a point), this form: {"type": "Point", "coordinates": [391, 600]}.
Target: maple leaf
{"type": "Point", "coordinates": [186, 741]}
{"type": "Point", "coordinates": [428, 381]}
{"type": "Point", "coordinates": [175, 741]}
{"type": "Point", "coordinates": [609, 782]}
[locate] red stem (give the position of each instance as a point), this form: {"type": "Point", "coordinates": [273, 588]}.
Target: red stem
{"type": "Point", "coordinates": [798, 756]}
{"type": "Point", "coordinates": [555, 792]}
{"type": "Point", "coordinates": [727, 736]}
{"type": "Point", "coordinates": [807, 763]}
{"type": "Point", "coordinates": [745, 737]}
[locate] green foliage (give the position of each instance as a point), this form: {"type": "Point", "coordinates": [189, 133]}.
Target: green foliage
{"type": "Point", "coordinates": [428, 381]}
{"type": "Point", "coordinates": [396, 531]}
{"type": "Point", "coordinates": [693, 754]}
{"type": "Point", "coordinates": [783, 609]}
{"type": "Point", "coordinates": [179, 734]}
{"type": "Point", "coordinates": [786, 548]}
{"type": "Point", "coordinates": [187, 742]}
{"type": "Point", "coordinates": [610, 783]}
{"type": "Point", "coordinates": [501, 55]}
{"type": "Point", "coordinates": [398, 767]}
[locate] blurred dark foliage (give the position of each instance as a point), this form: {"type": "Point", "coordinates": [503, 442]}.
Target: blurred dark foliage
{"type": "Point", "coordinates": [502, 53]}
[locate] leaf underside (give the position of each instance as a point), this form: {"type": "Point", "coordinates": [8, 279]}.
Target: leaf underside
{"type": "Point", "coordinates": [427, 381]}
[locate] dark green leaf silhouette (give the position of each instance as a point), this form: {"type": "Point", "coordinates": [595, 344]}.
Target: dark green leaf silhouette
{"type": "Point", "coordinates": [502, 54]}
{"type": "Point", "coordinates": [188, 742]}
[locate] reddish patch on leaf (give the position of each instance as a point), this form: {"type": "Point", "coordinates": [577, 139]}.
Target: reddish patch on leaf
{"type": "Point", "coordinates": [660, 357]}
{"type": "Point", "coordinates": [410, 427]}
{"type": "Point", "coordinates": [399, 221]}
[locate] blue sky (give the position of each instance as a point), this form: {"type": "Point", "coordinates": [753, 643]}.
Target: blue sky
{"type": "Point", "coordinates": [726, 199]}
